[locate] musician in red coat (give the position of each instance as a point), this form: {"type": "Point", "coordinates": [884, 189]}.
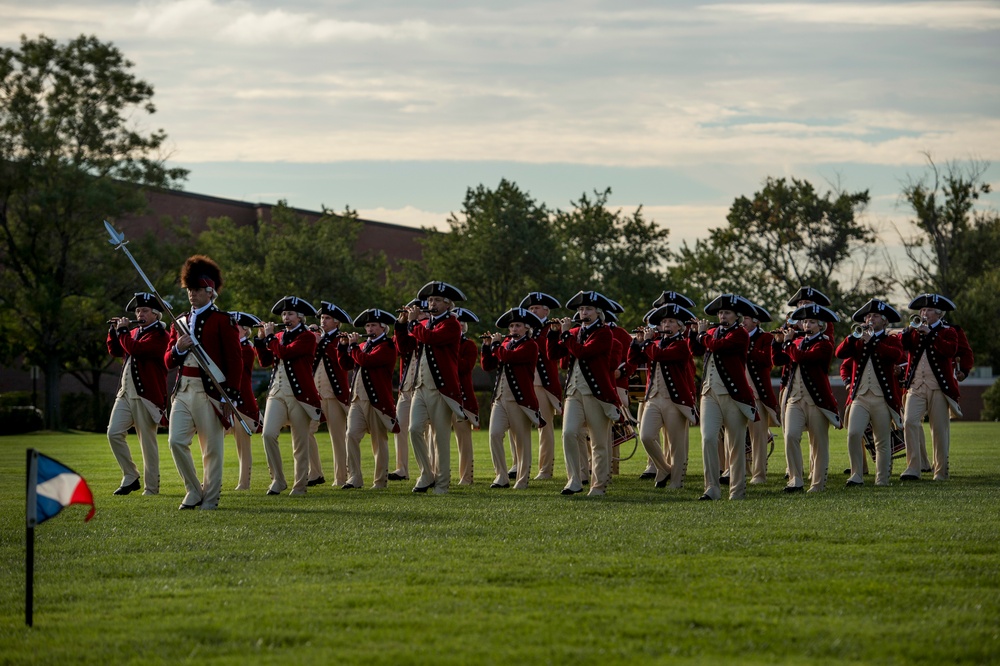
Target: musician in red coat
{"type": "Point", "coordinates": [873, 391]}
{"type": "Point", "coordinates": [142, 397]}
{"type": "Point", "coordinates": [669, 403]}
{"type": "Point", "coordinates": [759, 364]}
{"type": "Point", "coordinates": [292, 398]}
{"type": "Point", "coordinates": [803, 297]}
{"type": "Point", "coordinates": [197, 403]}
{"type": "Point", "coordinates": [468, 359]}
{"type": "Point", "coordinates": [334, 388]}
{"type": "Point", "coordinates": [249, 412]}
{"type": "Point", "coordinates": [932, 389]}
{"type": "Point", "coordinates": [406, 350]}
{"type": "Point", "coordinates": [515, 405]}
{"type": "Point", "coordinates": [591, 398]}
{"type": "Point", "coordinates": [808, 402]}
{"type": "Point", "coordinates": [373, 409]}
{"type": "Point", "coordinates": [437, 392]}
{"type": "Point", "coordinates": [727, 401]}
{"type": "Point", "coordinates": [547, 387]}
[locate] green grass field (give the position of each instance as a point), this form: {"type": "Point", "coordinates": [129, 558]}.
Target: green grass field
{"type": "Point", "coordinates": [900, 575]}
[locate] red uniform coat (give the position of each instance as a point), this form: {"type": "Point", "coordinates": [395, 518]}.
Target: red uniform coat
{"type": "Point", "coordinates": [149, 374]}
{"type": "Point", "coordinates": [671, 357]}
{"type": "Point", "coordinates": [546, 367]}
{"type": "Point", "coordinates": [966, 359]}
{"type": "Point", "coordinates": [884, 352]}
{"type": "Point", "coordinates": [406, 348]}
{"type": "Point", "coordinates": [624, 368]}
{"type": "Point", "coordinates": [326, 353]}
{"type": "Point", "coordinates": [296, 350]}
{"type": "Point", "coordinates": [439, 340]}
{"type": "Point", "coordinates": [217, 334]}
{"type": "Point", "coordinates": [468, 356]}
{"type": "Point", "coordinates": [811, 356]}
{"type": "Point", "coordinates": [759, 364]}
{"type": "Point", "coordinates": [248, 401]}
{"type": "Point", "coordinates": [591, 350]}
{"type": "Point", "coordinates": [516, 360]}
{"type": "Point", "coordinates": [375, 361]}
{"type": "Point", "coordinates": [941, 347]}
{"type": "Point", "coordinates": [729, 348]}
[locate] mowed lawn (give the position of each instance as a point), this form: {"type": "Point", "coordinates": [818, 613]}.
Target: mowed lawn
{"type": "Point", "coordinates": [900, 575]}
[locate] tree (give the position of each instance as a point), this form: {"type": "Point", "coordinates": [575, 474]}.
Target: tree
{"type": "Point", "coordinates": [72, 152]}
{"type": "Point", "coordinates": [623, 256]}
{"type": "Point", "coordinates": [498, 249]}
{"type": "Point", "coordinates": [786, 236]}
{"type": "Point", "coordinates": [293, 255]}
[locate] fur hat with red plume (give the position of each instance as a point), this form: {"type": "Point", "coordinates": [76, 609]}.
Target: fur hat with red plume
{"type": "Point", "coordinates": [201, 272]}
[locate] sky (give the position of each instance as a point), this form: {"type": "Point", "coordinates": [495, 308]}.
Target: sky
{"type": "Point", "coordinates": [396, 108]}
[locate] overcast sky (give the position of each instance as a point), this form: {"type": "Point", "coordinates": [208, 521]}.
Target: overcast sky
{"type": "Point", "coordinates": [395, 108]}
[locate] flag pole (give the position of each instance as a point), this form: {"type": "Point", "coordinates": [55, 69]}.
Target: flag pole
{"type": "Point", "coordinates": [31, 513]}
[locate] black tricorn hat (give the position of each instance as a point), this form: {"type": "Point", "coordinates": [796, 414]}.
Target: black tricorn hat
{"type": "Point", "coordinates": [294, 304]}
{"type": "Point", "coordinates": [142, 299]}
{"type": "Point", "coordinates": [244, 318]}
{"type": "Point", "coordinates": [616, 307]}
{"type": "Point", "coordinates": [420, 303]}
{"type": "Point", "coordinates": [201, 272]}
{"type": "Point", "coordinates": [594, 298]}
{"type": "Point", "coordinates": [519, 314]}
{"type": "Point", "coordinates": [670, 311]}
{"type": "Point", "coordinates": [335, 311]}
{"type": "Point", "coordinates": [540, 298]}
{"type": "Point", "coordinates": [645, 317]}
{"type": "Point", "coordinates": [815, 312]}
{"type": "Point", "coordinates": [936, 301]}
{"type": "Point", "coordinates": [733, 302]}
{"type": "Point", "coordinates": [878, 307]}
{"type": "Point", "coordinates": [673, 297]}
{"type": "Point", "coordinates": [809, 294]}
{"type": "Point", "coordinates": [466, 315]}
{"type": "Point", "coordinates": [443, 289]}
{"type": "Point", "coordinates": [375, 316]}
{"type": "Point", "coordinates": [610, 317]}
{"type": "Point", "coordinates": [759, 313]}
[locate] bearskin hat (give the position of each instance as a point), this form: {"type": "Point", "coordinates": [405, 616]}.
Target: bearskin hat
{"type": "Point", "coordinates": [201, 272]}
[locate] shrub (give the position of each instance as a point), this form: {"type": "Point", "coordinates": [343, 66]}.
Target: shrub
{"type": "Point", "coordinates": [991, 403]}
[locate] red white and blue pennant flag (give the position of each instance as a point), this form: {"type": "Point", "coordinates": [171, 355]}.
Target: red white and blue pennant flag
{"type": "Point", "coordinates": [54, 486]}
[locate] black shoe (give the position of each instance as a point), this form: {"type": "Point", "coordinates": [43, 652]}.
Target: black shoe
{"type": "Point", "coordinates": [852, 484]}
{"type": "Point", "coordinates": [723, 480]}
{"type": "Point", "coordinates": [187, 507]}
{"type": "Point", "coordinates": [909, 477]}
{"type": "Point", "coordinates": [499, 485]}
{"type": "Point", "coordinates": [847, 471]}
{"type": "Point", "coordinates": [647, 475]}
{"type": "Point", "coordinates": [705, 498]}
{"type": "Point", "coordinates": [586, 482]}
{"type": "Point", "coordinates": [662, 484]}
{"type": "Point", "coordinates": [794, 489]}
{"type": "Point", "coordinates": [422, 489]}
{"type": "Point", "coordinates": [272, 492]}
{"type": "Point", "coordinates": [125, 490]}
{"type": "Point", "coordinates": [397, 477]}
{"type": "Point", "coordinates": [318, 481]}
{"type": "Point", "coordinates": [570, 491]}
{"type": "Point", "coordinates": [349, 486]}
{"type": "Point", "coordinates": [512, 474]}
{"type": "Point", "coordinates": [925, 470]}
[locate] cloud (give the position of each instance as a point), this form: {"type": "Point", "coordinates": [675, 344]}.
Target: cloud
{"type": "Point", "coordinates": [409, 216]}
{"type": "Point", "coordinates": [931, 15]}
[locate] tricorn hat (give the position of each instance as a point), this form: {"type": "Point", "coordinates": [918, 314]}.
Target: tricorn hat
{"type": "Point", "coordinates": [466, 315]}
{"type": "Point", "coordinates": [540, 298]}
{"type": "Point", "coordinates": [670, 311]}
{"type": "Point", "coordinates": [878, 307]}
{"type": "Point", "coordinates": [519, 314]}
{"type": "Point", "coordinates": [616, 307]}
{"type": "Point", "coordinates": [610, 317]}
{"type": "Point", "coordinates": [244, 318]}
{"type": "Point", "coordinates": [143, 299]}
{"type": "Point", "coordinates": [443, 289]}
{"type": "Point", "coordinates": [294, 304]}
{"type": "Point", "coordinates": [594, 298]}
{"type": "Point", "coordinates": [201, 272]}
{"type": "Point", "coordinates": [733, 302]}
{"type": "Point", "coordinates": [673, 297]}
{"type": "Point", "coordinates": [809, 294]}
{"type": "Point", "coordinates": [759, 313]}
{"type": "Point", "coordinates": [815, 312]}
{"type": "Point", "coordinates": [420, 303]}
{"type": "Point", "coordinates": [375, 316]}
{"type": "Point", "coordinates": [335, 311]}
{"type": "Point", "coordinates": [936, 301]}
{"type": "Point", "coordinates": [645, 317]}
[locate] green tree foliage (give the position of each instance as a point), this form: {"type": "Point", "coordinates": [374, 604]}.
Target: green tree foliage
{"type": "Point", "coordinates": [786, 236]}
{"type": "Point", "coordinates": [292, 255]}
{"type": "Point", "coordinates": [72, 152]}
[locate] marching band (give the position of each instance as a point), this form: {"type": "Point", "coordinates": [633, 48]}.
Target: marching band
{"type": "Point", "coordinates": [320, 373]}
